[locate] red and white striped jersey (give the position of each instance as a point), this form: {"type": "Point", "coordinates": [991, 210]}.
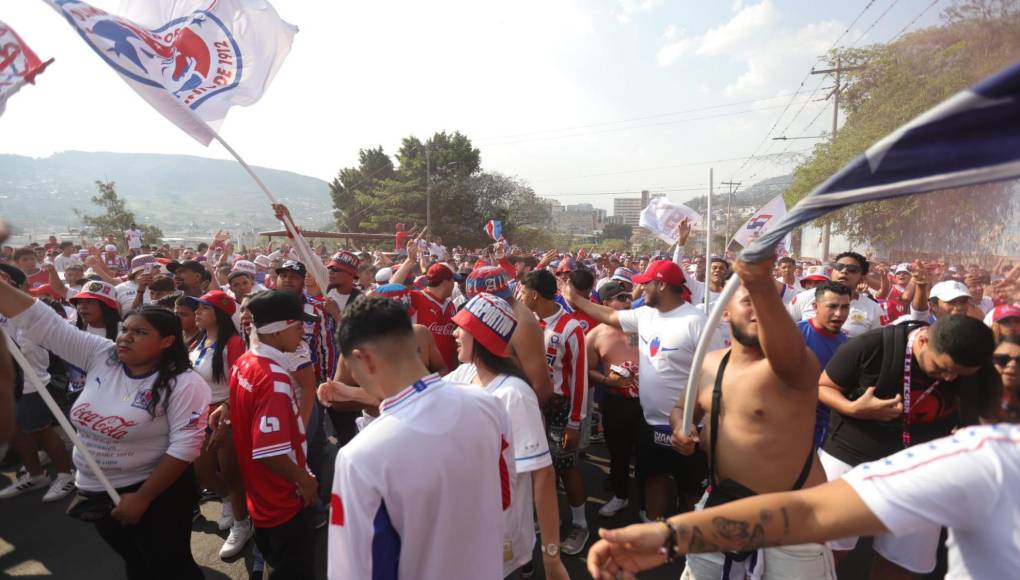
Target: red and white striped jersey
{"type": "Point", "coordinates": [567, 359]}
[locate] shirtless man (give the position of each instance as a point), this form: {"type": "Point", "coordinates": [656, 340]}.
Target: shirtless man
{"type": "Point", "coordinates": [613, 363]}
{"type": "Point", "coordinates": [759, 397]}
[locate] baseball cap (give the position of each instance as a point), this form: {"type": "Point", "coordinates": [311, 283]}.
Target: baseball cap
{"type": "Point", "coordinates": [275, 306]}
{"type": "Point", "coordinates": [904, 267]}
{"type": "Point", "coordinates": [100, 291]}
{"type": "Point", "coordinates": [45, 290]}
{"type": "Point", "coordinates": [397, 292]}
{"type": "Point", "coordinates": [611, 290]}
{"type": "Point", "coordinates": [292, 266]}
{"type": "Point", "coordinates": [17, 276]}
{"type": "Point", "coordinates": [491, 280]}
{"type": "Point", "coordinates": [383, 275]}
{"type": "Point", "coordinates": [219, 300]}
{"type": "Point", "coordinates": [245, 267]}
{"type": "Point", "coordinates": [1004, 311]}
{"type": "Point", "coordinates": [489, 320]}
{"type": "Point", "coordinates": [420, 283]}
{"type": "Point", "coordinates": [661, 270]}
{"type": "Point", "coordinates": [139, 262]}
{"type": "Point", "coordinates": [263, 261]}
{"type": "Point", "coordinates": [110, 248]}
{"type": "Point", "coordinates": [440, 272]}
{"type": "Point", "coordinates": [948, 290]}
{"type": "Point", "coordinates": [192, 265]}
{"type": "Point", "coordinates": [623, 275]}
{"type": "Point", "coordinates": [815, 274]}
{"type": "Point", "coordinates": [345, 262]}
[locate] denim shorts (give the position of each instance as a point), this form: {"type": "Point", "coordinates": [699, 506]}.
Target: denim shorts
{"type": "Point", "coordinates": [31, 413]}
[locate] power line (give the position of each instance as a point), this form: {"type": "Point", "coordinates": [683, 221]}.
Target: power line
{"type": "Point", "coordinates": [618, 129]}
{"type": "Point", "coordinates": [642, 170]}
{"type": "Point", "coordinates": [916, 18]}
{"type": "Point", "coordinates": [644, 118]}
{"type": "Point", "coordinates": [873, 24]}
{"type": "Point", "coordinates": [695, 187]}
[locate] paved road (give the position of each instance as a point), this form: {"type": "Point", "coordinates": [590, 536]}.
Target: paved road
{"type": "Point", "coordinates": [38, 541]}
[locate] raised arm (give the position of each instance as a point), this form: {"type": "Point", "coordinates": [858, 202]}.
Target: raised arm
{"type": "Point", "coordinates": [779, 337]}
{"type": "Point", "coordinates": [405, 269]}
{"type": "Point", "coordinates": [603, 314]}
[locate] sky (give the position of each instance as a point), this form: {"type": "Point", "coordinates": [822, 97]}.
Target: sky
{"type": "Point", "coordinates": [585, 100]}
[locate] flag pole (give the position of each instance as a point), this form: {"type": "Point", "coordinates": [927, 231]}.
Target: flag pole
{"type": "Point", "coordinates": [708, 238]}
{"type": "Point", "coordinates": [58, 414]}
{"type": "Point", "coordinates": [305, 251]}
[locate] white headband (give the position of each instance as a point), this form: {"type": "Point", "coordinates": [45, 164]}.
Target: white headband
{"type": "Point", "coordinates": [278, 326]}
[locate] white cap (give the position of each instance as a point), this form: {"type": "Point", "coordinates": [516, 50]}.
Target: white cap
{"type": "Point", "coordinates": [904, 267]}
{"type": "Point", "coordinates": [948, 291]}
{"type": "Point", "coordinates": [264, 261]}
{"type": "Point", "coordinates": [244, 266]}
{"type": "Point", "coordinates": [383, 275]}
{"type": "Point", "coordinates": [111, 248]}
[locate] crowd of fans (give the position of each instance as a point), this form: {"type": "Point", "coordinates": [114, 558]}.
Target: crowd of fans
{"type": "Point", "coordinates": [462, 386]}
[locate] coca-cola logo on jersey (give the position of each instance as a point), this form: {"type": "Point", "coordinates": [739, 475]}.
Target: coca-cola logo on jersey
{"type": "Point", "coordinates": [112, 426]}
{"type": "Point", "coordinates": [442, 329]}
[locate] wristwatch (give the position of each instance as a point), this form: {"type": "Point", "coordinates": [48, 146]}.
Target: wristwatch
{"type": "Point", "coordinates": [551, 550]}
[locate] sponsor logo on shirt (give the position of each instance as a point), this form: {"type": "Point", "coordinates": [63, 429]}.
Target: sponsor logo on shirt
{"type": "Point", "coordinates": [112, 426]}
{"type": "Point", "coordinates": [442, 329]}
{"type": "Point", "coordinates": [142, 399]}
{"type": "Point", "coordinates": [193, 421]}
{"type": "Point", "coordinates": [655, 347]}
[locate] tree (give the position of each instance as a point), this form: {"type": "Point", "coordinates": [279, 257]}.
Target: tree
{"type": "Point", "coordinates": [116, 218]}
{"type": "Point", "coordinates": [349, 209]}
{"type": "Point", "coordinates": [901, 81]}
{"type": "Point", "coordinates": [617, 232]}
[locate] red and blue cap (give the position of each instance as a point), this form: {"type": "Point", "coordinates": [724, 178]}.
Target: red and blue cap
{"type": "Point", "coordinates": [490, 321]}
{"type": "Point", "coordinates": [345, 262]}
{"type": "Point", "coordinates": [490, 279]}
{"type": "Point", "coordinates": [219, 300]}
{"type": "Point", "coordinates": [398, 292]}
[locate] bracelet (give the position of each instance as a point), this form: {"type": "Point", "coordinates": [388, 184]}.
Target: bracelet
{"type": "Point", "coordinates": [669, 547]}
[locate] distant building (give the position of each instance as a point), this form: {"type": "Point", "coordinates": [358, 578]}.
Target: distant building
{"type": "Point", "coordinates": [579, 219]}
{"type": "Point", "coordinates": [627, 210]}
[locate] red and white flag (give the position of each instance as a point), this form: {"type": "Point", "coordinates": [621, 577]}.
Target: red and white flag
{"type": "Point", "coordinates": [18, 64]}
{"type": "Point", "coordinates": [190, 59]}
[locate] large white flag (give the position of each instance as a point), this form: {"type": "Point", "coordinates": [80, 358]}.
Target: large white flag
{"type": "Point", "coordinates": [18, 64]}
{"type": "Point", "coordinates": [190, 59]}
{"type": "Point", "coordinates": [661, 217]}
{"type": "Point", "coordinates": [763, 220]}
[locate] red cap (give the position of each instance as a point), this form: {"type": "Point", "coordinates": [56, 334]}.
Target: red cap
{"type": "Point", "coordinates": [219, 300]}
{"type": "Point", "coordinates": [440, 272]}
{"type": "Point", "coordinates": [45, 290]}
{"type": "Point", "coordinates": [662, 271]}
{"type": "Point", "coordinates": [97, 290]}
{"type": "Point", "coordinates": [1004, 311]}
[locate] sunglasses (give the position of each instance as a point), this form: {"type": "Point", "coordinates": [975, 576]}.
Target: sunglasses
{"type": "Point", "coordinates": [1002, 360]}
{"type": "Point", "coordinates": [850, 268]}
{"type": "Point", "coordinates": [622, 298]}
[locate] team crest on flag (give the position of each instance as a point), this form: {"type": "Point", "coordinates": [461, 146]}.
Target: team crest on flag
{"type": "Point", "coordinates": [194, 57]}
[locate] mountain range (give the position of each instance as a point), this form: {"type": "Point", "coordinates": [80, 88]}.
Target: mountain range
{"type": "Point", "coordinates": [178, 193]}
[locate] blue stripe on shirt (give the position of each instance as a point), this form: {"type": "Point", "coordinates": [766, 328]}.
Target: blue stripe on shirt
{"type": "Point", "coordinates": [385, 546]}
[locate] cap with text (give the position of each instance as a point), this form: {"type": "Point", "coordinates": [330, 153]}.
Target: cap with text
{"type": "Point", "coordinates": [490, 321]}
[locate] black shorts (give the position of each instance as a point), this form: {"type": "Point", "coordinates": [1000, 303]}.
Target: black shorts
{"type": "Point", "coordinates": [31, 413]}
{"type": "Point", "coordinates": [656, 457]}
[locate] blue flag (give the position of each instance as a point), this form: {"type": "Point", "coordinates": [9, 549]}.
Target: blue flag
{"type": "Point", "coordinates": [494, 228]}
{"type": "Point", "coordinates": [971, 138]}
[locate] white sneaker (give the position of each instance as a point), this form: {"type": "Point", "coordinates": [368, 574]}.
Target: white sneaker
{"type": "Point", "coordinates": [25, 484]}
{"type": "Point", "coordinates": [575, 542]}
{"type": "Point", "coordinates": [62, 486]}
{"type": "Point", "coordinates": [613, 507]}
{"type": "Point", "coordinates": [226, 519]}
{"type": "Point", "coordinates": [240, 533]}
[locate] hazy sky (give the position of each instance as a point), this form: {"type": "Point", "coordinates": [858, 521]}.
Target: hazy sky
{"type": "Point", "coordinates": [592, 99]}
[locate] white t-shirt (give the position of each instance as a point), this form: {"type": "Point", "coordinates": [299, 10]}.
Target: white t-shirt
{"type": "Point", "coordinates": [110, 414]}
{"type": "Point", "coordinates": [433, 474]}
{"type": "Point", "coordinates": [968, 482]}
{"type": "Point", "coordinates": [438, 250]}
{"type": "Point", "coordinates": [531, 453]}
{"type": "Point", "coordinates": [126, 292]}
{"type": "Point", "coordinates": [134, 238]}
{"type": "Point", "coordinates": [666, 342]}
{"type": "Point", "coordinates": [865, 313]}
{"type": "Point", "coordinates": [985, 304]}
{"type": "Point", "coordinates": [37, 356]}
{"type": "Point", "coordinates": [61, 262]}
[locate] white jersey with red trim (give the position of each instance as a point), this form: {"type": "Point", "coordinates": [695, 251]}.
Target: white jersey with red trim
{"type": "Point", "coordinates": [567, 359]}
{"type": "Point", "coordinates": [421, 491]}
{"type": "Point", "coordinates": [968, 482]}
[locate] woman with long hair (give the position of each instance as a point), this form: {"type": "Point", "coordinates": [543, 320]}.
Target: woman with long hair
{"type": "Point", "coordinates": [142, 415]}
{"type": "Point", "coordinates": [184, 308]}
{"type": "Point", "coordinates": [485, 326]}
{"type": "Point", "coordinates": [216, 349]}
{"type": "Point", "coordinates": [98, 314]}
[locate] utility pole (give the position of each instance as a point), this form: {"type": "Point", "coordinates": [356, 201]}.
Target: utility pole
{"type": "Point", "coordinates": [837, 72]}
{"type": "Point", "coordinates": [428, 192]}
{"type": "Point", "coordinates": [729, 200]}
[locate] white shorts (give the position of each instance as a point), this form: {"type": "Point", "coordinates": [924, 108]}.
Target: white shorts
{"type": "Point", "coordinates": [914, 551]}
{"type": "Point", "coordinates": [801, 562]}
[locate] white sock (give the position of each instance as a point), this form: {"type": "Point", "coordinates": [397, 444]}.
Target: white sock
{"type": "Point", "coordinates": [578, 516]}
